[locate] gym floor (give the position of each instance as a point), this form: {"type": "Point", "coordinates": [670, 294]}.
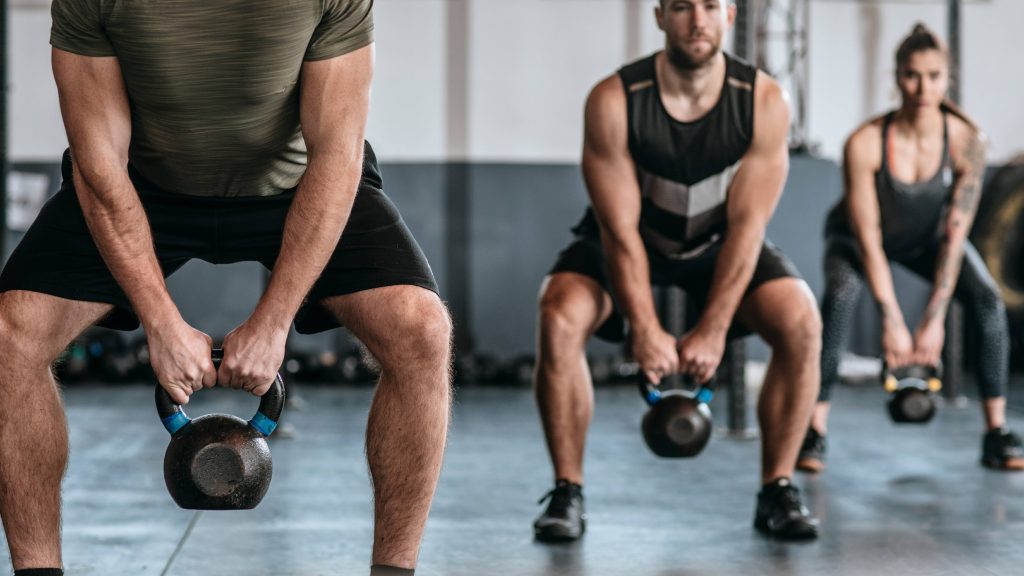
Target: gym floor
{"type": "Point", "coordinates": [899, 500]}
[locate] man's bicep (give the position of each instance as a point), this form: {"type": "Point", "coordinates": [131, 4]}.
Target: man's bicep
{"type": "Point", "coordinates": [94, 106]}
{"type": "Point", "coordinates": [758, 184]}
{"type": "Point", "coordinates": [613, 190]}
{"type": "Point", "coordinates": [608, 167]}
{"type": "Point", "coordinates": [335, 100]}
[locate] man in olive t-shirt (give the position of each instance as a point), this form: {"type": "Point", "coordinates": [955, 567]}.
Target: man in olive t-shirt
{"type": "Point", "coordinates": [184, 126]}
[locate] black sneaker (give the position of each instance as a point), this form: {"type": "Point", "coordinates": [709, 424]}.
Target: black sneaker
{"type": "Point", "coordinates": [812, 452]}
{"type": "Point", "coordinates": [781, 514]}
{"type": "Point", "coordinates": [1001, 449]}
{"type": "Point", "coordinates": [564, 519]}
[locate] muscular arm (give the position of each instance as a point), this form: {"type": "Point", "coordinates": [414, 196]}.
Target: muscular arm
{"type": "Point", "coordinates": [94, 105]}
{"type": "Point", "coordinates": [970, 168]}
{"type": "Point", "coordinates": [611, 183]}
{"type": "Point", "coordinates": [97, 119]}
{"type": "Point", "coordinates": [610, 176]}
{"type": "Point", "coordinates": [335, 99]}
{"type": "Point", "coordinates": [753, 195]}
{"type": "Point", "coordinates": [334, 103]}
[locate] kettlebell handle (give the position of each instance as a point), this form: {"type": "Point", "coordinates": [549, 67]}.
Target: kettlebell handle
{"type": "Point", "coordinates": [922, 370]}
{"type": "Point", "coordinates": [932, 375]}
{"type": "Point", "coordinates": [652, 394]}
{"type": "Point", "coordinates": [264, 421]}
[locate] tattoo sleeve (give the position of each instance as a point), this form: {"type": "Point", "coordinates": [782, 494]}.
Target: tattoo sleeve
{"type": "Point", "coordinates": [966, 193]}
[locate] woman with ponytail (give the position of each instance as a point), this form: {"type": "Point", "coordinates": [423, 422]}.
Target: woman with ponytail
{"type": "Point", "coordinates": [912, 182]}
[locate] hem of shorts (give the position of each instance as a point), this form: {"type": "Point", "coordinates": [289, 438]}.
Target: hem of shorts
{"type": "Point", "coordinates": [123, 318]}
{"type": "Point", "coordinates": [313, 326]}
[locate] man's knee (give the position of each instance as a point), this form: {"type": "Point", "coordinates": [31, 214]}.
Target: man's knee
{"type": "Point", "coordinates": [563, 316]}
{"type": "Point", "coordinates": [426, 331]}
{"type": "Point", "coordinates": [797, 328]}
{"type": "Point", "coordinates": [20, 339]}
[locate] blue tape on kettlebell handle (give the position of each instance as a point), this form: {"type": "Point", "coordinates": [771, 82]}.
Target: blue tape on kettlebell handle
{"type": "Point", "coordinates": [175, 422]}
{"type": "Point", "coordinates": [262, 424]}
{"type": "Point", "coordinates": [653, 396]}
{"type": "Point", "coordinates": [705, 395]}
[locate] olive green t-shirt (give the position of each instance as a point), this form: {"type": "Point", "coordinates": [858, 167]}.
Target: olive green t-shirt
{"type": "Point", "coordinates": [214, 84]}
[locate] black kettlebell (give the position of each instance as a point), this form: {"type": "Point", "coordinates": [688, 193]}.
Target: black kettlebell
{"type": "Point", "coordinates": [678, 423]}
{"type": "Point", "coordinates": [219, 461]}
{"type": "Point", "coordinates": [912, 392]}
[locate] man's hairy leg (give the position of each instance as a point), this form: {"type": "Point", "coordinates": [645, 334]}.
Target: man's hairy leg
{"type": "Point", "coordinates": [34, 329]}
{"type": "Point", "coordinates": [408, 331]}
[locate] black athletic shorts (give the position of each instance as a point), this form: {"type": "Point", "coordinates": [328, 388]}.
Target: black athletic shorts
{"type": "Point", "coordinates": [57, 256]}
{"type": "Point", "coordinates": [693, 275]}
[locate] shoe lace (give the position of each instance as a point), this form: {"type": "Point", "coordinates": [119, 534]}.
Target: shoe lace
{"type": "Point", "coordinates": [1011, 440]}
{"type": "Point", "coordinates": [789, 499]}
{"type": "Point", "coordinates": [560, 499]}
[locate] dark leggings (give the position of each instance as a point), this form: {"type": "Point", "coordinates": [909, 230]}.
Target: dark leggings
{"type": "Point", "coordinates": [975, 290]}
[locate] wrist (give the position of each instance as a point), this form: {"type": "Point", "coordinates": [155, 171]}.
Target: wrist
{"type": "Point", "coordinates": [712, 325]}
{"type": "Point", "coordinates": [644, 329]}
{"type": "Point", "coordinates": [271, 319]}
{"type": "Point", "coordinates": [157, 318]}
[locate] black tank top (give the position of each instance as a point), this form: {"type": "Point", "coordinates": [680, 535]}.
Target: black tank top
{"type": "Point", "coordinates": [912, 214]}
{"type": "Point", "coordinates": [684, 169]}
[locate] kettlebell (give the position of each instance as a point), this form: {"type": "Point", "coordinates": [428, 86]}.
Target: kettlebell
{"type": "Point", "coordinates": [678, 422]}
{"type": "Point", "coordinates": [912, 392]}
{"type": "Point", "coordinates": [219, 461]}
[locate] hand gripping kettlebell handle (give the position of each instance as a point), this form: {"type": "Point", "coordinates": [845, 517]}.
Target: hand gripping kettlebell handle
{"type": "Point", "coordinates": [264, 421]}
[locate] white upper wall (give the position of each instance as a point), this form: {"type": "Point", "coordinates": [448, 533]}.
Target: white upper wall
{"type": "Point", "coordinates": [532, 62]}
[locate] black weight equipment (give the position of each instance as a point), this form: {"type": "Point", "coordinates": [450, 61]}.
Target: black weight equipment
{"type": "Point", "coordinates": [912, 392]}
{"type": "Point", "coordinates": [219, 461]}
{"type": "Point", "coordinates": [678, 423]}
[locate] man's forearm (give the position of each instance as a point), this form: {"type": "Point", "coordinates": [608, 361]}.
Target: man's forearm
{"type": "Point", "coordinates": [734, 267]}
{"type": "Point", "coordinates": [631, 281]}
{"type": "Point", "coordinates": [316, 218]}
{"type": "Point", "coordinates": [120, 229]}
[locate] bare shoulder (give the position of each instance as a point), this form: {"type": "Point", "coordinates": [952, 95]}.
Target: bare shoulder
{"type": "Point", "coordinates": [770, 100]}
{"type": "Point", "coordinates": [605, 123]}
{"type": "Point", "coordinates": [864, 146]}
{"type": "Point", "coordinates": [607, 96]}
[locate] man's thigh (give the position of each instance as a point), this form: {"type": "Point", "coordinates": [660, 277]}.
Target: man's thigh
{"type": "Point", "coordinates": [42, 324]}
{"type": "Point", "coordinates": [776, 310]}
{"type": "Point", "coordinates": [393, 321]}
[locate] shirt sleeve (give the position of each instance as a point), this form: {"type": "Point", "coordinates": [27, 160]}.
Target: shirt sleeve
{"type": "Point", "coordinates": [346, 26]}
{"type": "Point", "coordinates": [78, 28]}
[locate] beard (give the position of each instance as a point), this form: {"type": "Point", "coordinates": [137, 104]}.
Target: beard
{"type": "Point", "coordinates": [683, 61]}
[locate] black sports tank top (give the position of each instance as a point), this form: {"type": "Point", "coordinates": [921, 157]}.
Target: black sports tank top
{"type": "Point", "coordinates": [684, 169]}
{"type": "Point", "coordinates": [912, 214]}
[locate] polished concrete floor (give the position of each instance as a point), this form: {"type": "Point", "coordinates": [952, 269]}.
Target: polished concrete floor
{"type": "Point", "coordinates": [895, 500]}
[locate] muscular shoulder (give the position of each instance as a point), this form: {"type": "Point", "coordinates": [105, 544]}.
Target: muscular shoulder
{"type": "Point", "coordinates": [605, 114]}
{"type": "Point", "coordinates": [769, 96]}
{"type": "Point", "coordinates": [607, 97]}
{"type": "Point", "coordinates": [863, 147]}
{"type": "Point", "coordinates": [771, 109]}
